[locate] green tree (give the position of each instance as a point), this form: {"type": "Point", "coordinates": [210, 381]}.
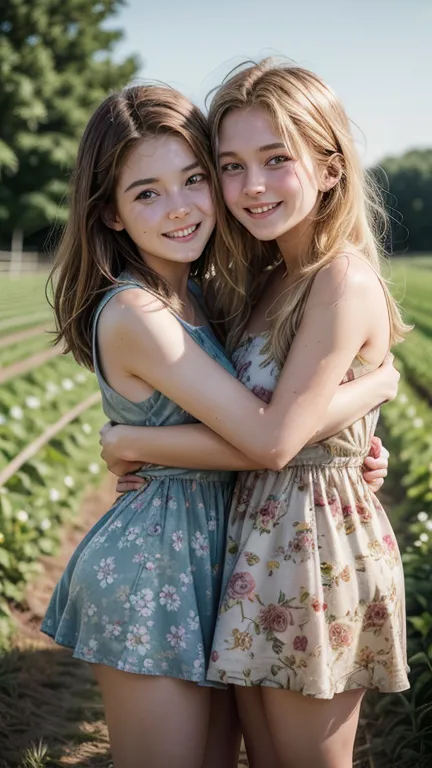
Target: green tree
{"type": "Point", "coordinates": [55, 66]}
{"type": "Point", "coordinates": [408, 179]}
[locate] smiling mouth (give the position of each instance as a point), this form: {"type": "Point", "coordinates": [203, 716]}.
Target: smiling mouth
{"type": "Point", "coordinates": [182, 234]}
{"type": "Point", "coordinates": [261, 211]}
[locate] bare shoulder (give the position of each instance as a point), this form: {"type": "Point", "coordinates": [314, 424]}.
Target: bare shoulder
{"type": "Point", "coordinates": [347, 277]}
{"type": "Point", "coordinates": [130, 312]}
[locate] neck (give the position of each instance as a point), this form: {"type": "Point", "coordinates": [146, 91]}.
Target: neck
{"type": "Point", "coordinates": [175, 273]}
{"type": "Point", "coordinates": [295, 245]}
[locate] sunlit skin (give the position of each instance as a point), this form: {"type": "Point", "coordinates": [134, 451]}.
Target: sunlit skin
{"type": "Point", "coordinates": [257, 171]}
{"type": "Point", "coordinates": [162, 191]}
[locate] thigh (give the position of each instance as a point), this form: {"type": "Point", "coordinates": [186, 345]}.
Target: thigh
{"type": "Point", "coordinates": [258, 739]}
{"type": "Point", "coordinates": [307, 731]}
{"type": "Point", "coordinates": [154, 722]}
{"type": "Point", "coordinates": [224, 735]}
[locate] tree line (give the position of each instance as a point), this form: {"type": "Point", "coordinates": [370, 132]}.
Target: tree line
{"type": "Point", "coordinates": [56, 65]}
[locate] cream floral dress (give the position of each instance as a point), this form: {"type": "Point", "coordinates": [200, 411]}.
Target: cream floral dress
{"type": "Point", "coordinates": [313, 597]}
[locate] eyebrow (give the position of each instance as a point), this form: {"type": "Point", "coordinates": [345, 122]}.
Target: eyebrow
{"type": "Point", "coordinates": [154, 180]}
{"type": "Point", "coordinates": [265, 148]}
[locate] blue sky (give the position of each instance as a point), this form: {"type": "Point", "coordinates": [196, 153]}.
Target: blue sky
{"type": "Point", "coordinates": [376, 54]}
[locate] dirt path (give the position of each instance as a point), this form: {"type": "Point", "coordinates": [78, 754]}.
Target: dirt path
{"type": "Point", "coordinates": [50, 711]}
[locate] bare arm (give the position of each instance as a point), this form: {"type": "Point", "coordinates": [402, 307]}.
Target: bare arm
{"type": "Point", "coordinates": [339, 319]}
{"type": "Point", "coordinates": [195, 446]}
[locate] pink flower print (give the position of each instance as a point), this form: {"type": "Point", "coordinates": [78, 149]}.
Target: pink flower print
{"type": "Point", "coordinates": [241, 585]}
{"type": "Point", "coordinates": [318, 606]}
{"type": "Point", "coordinates": [390, 543]}
{"type": "Point", "coordinates": [214, 655]}
{"type": "Point", "coordinates": [375, 616]}
{"type": "Point", "coordinates": [300, 643]}
{"type": "Point", "coordinates": [341, 635]}
{"type": "Point", "coordinates": [275, 618]}
{"type": "Point", "coordinates": [243, 368]}
{"type": "Point", "coordinates": [267, 514]}
{"type": "Point", "coordinates": [263, 393]}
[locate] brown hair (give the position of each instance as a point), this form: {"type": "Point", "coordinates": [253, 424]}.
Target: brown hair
{"type": "Point", "coordinates": [91, 256]}
{"type": "Point", "coordinates": [308, 115]}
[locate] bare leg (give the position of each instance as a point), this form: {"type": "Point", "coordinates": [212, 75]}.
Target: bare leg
{"type": "Point", "coordinates": [154, 722]}
{"type": "Point", "coordinates": [224, 735]}
{"type": "Point", "coordinates": [256, 732]}
{"type": "Point", "coordinates": [313, 732]}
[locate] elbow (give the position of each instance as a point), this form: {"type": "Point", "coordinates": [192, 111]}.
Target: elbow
{"type": "Point", "coordinates": [275, 459]}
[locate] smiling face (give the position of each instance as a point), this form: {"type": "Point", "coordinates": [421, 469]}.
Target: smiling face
{"type": "Point", "coordinates": [265, 188]}
{"type": "Point", "coordinates": [163, 201]}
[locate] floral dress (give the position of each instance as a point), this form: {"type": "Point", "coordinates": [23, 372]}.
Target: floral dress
{"type": "Point", "coordinates": [313, 596]}
{"type": "Point", "coordinates": [142, 590]}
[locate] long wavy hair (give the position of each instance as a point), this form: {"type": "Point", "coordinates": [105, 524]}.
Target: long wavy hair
{"type": "Point", "coordinates": [350, 217]}
{"type": "Point", "coordinates": [91, 256]}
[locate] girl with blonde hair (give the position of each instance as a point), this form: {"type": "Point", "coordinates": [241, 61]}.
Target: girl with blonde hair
{"type": "Point", "coordinates": [312, 613]}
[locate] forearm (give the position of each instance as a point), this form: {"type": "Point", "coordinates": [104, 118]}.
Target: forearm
{"type": "Point", "coordinates": [190, 446]}
{"type": "Point", "coordinates": [350, 403]}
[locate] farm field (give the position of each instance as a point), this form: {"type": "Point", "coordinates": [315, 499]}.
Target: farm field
{"type": "Point", "coordinates": [49, 456]}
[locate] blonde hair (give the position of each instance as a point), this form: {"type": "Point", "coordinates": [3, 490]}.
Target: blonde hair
{"type": "Point", "coordinates": [91, 256]}
{"type": "Point", "coordinates": [307, 115]}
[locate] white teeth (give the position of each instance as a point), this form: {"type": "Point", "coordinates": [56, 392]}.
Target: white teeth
{"type": "Point", "coordinates": [182, 232]}
{"type": "Point", "coordinates": [264, 208]}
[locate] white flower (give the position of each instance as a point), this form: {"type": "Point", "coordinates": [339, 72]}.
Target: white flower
{"type": "Point", "coordinates": [45, 524]}
{"type": "Point", "coordinates": [169, 597]}
{"type": "Point", "coordinates": [411, 411]}
{"type": "Point", "coordinates": [80, 378]}
{"type": "Point", "coordinates": [91, 609]}
{"type": "Point", "coordinates": [94, 468]}
{"type": "Point", "coordinates": [22, 516]}
{"type": "Point", "coordinates": [143, 602]}
{"type": "Point", "coordinates": [138, 639]}
{"type": "Point", "coordinates": [403, 398]}
{"type": "Point", "coordinates": [422, 517]}
{"type": "Point", "coordinates": [54, 494]}
{"type": "Point", "coordinates": [51, 388]}
{"type": "Point", "coordinates": [172, 503]}
{"type": "Point", "coordinates": [424, 537]}
{"type": "Point", "coordinates": [148, 663]}
{"type": "Point", "coordinates": [177, 540]}
{"type": "Point", "coordinates": [32, 402]}
{"type": "Point", "coordinates": [112, 629]}
{"type": "Point", "coordinates": [86, 428]}
{"type": "Point", "coordinates": [16, 412]}
{"type": "Point", "coordinates": [193, 620]}
{"type": "Point", "coordinates": [105, 571]}
{"type": "Point", "coordinates": [150, 566]}
{"type": "Point", "coordinates": [157, 502]}
{"type": "Point", "coordinates": [2, 419]}
{"type": "Point", "coordinates": [428, 525]}
{"type": "Point", "coordinates": [200, 544]}
{"type": "Point", "coordinates": [69, 481]}
{"type": "Point", "coordinates": [418, 423]}
{"type": "Point", "coordinates": [186, 578]}
{"type": "Point", "coordinates": [67, 384]}
{"type": "Point", "coordinates": [417, 543]}
{"type": "Point", "coordinates": [177, 637]}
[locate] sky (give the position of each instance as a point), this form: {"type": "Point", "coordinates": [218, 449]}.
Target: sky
{"type": "Point", "coordinates": [376, 54]}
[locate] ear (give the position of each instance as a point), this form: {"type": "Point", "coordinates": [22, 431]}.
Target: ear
{"type": "Point", "coordinates": [111, 218]}
{"type": "Point", "coordinates": [331, 173]}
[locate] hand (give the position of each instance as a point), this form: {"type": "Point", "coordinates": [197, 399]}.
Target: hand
{"type": "Point", "coordinates": [390, 379]}
{"type": "Point", "coordinates": [376, 465]}
{"type": "Point", "coordinates": [129, 483]}
{"type": "Point", "coordinates": [109, 454]}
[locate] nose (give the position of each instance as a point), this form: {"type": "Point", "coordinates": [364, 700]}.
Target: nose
{"type": "Point", "coordinates": [178, 210]}
{"type": "Point", "coordinates": [254, 183]}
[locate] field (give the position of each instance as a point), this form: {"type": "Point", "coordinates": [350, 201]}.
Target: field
{"type": "Point", "coordinates": [49, 455]}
